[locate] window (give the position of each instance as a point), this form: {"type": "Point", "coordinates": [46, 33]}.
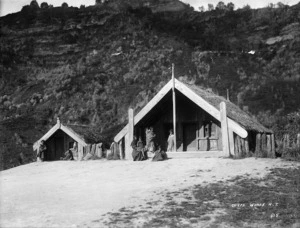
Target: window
{"type": "Point", "coordinates": [206, 130]}
{"type": "Point", "coordinates": [213, 130]}
{"type": "Point", "coordinates": [71, 145]}
{"type": "Point", "coordinates": [210, 129]}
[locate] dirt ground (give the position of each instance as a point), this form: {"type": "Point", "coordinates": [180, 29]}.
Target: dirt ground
{"type": "Point", "coordinates": [73, 194]}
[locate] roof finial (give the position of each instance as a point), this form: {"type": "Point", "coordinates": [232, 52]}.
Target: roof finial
{"type": "Point", "coordinates": [58, 120]}
{"type": "Point", "coordinates": [228, 94]}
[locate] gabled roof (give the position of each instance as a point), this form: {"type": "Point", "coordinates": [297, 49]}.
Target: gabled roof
{"type": "Point", "coordinates": [233, 111]}
{"type": "Point", "coordinates": [84, 131]}
{"type": "Point", "coordinates": [80, 133]}
{"type": "Point", "coordinates": [238, 120]}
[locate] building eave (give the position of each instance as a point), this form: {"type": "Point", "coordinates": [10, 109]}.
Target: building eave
{"type": "Point", "coordinates": [65, 129]}
{"type": "Point", "coordinates": [198, 100]}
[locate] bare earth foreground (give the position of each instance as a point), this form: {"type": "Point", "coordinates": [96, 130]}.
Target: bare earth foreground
{"type": "Point", "coordinates": [73, 194]}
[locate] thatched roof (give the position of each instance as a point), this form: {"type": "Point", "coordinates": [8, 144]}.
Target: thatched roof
{"type": "Point", "coordinates": [81, 133]}
{"type": "Point", "coordinates": [233, 111]}
{"type": "Point", "coordinates": [239, 121]}
{"type": "Point", "coordinates": [88, 133]}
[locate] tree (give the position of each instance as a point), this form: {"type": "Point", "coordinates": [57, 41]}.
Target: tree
{"type": "Point", "coordinates": [221, 6]}
{"type": "Point", "coordinates": [230, 6]}
{"type": "Point", "coordinates": [280, 5]}
{"type": "Point", "coordinates": [201, 9]}
{"type": "Point", "coordinates": [44, 5]}
{"type": "Point", "coordinates": [246, 7]}
{"type": "Point", "coordinates": [210, 7]}
{"type": "Point", "coordinates": [64, 5]}
{"type": "Point", "coordinates": [34, 4]}
{"type": "Point", "coordinates": [25, 8]}
{"type": "Point", "coordinates": [271, 5]}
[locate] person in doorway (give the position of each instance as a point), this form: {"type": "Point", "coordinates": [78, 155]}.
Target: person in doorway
{"type": "Point", "coordinates": [141, 149]}
{"type": "Point", "coordinates": [68, 155]}
{"type": "Point", "coordinates": [41, 151]}
{"type": "Point", "coordinates": [150, 140]}
{"type": "Point", "coordinates": [74, 149]}
{"type": "Point", "coordinates": [138, 151]}
{"type": "Point", "coordinates": [171, 141]}
{"type": "Point", "coordinates": [159, 155]}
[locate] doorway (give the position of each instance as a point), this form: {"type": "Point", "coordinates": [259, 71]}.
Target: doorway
{"type": "Point", "coordinates": [59, 147]}
{"type": "Point", "coordinates": [189, 137]}
{"type": "Point", "coordinates": [55, 146]}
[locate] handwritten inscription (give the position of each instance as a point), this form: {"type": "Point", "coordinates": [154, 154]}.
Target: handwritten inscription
{"type": "Point", "coordinates": [288, 216]}
{"type": "Point", "coordinates": [273, 215]}
{"type": "Point", "coordinates": [254, 205]}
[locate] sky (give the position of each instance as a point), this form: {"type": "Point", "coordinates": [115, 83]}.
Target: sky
{"type": "Point", "coordinates": [11, 6]}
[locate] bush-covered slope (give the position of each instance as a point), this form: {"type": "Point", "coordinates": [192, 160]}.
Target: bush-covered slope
{"type": "Point", "coordinates": [88, 65]}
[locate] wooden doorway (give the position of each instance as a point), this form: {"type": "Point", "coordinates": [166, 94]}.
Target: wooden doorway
{"type": "Point", "coordinates": [189, 137]}
{"type": "Point", "coordinates": [55, 146]}
{"type": "Point", "coordinates": [59, 147]}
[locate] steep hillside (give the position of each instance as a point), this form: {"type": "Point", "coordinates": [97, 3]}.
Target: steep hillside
{"type": "Point", "coordinates": [89, 65]}
{"type": "Point", "coordinates": [153, 5]}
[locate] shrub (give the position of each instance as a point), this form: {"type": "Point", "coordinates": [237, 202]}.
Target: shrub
{"type": "Point", "coordinates": [261, 154]}
{"type": "Point", "coordinates": [34, 4]}
{"type": "Point", "coordinates": [44, 5]}
{"type": "Point", "coordinates": [291, 153]}
{"type": "Point", "coordinates": [64, 5]}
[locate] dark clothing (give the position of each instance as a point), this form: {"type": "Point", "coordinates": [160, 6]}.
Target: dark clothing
{"type": "Point", "coordinates": [133, 144]}
{"type": "Point", "coordinates": [138, 152]}
{"type": "Point", "coordinates": [68, 155]}
{"type": "Point", "coordinates": [138, 155]}
{"type": "Point", "coordinates": [41, 151]}
{"type": "Point", "coordinates": [159, 155]}
{"type": "Point", "coordinates": [150, 136]}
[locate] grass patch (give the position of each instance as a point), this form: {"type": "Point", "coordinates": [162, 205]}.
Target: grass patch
{"type": "Point", "coordinates": [205, 218]}
{"type": "Point", "coordinates": [244, 202]}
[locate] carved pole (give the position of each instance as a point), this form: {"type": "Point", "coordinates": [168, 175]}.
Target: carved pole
{"type": "Point", "coordinates": [264, 144]}
{"type": "Point", "coordinates": [130, 133]}
{"type": "Point", "coordinates": [224, 128]}
{"type": "Point", "coordinates": [174, 109]}
{"type": "Point", "coordinates": [258, 144]}
{"type": "Point", "coordinates": [231, 143]}
{"type": "Point", "coordinates": [269, 146]}
{"type": "Point", "coordinates": [273, 144]}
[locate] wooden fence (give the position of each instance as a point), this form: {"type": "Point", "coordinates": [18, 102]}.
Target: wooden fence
{"type": "Point", "coordinates": [288, 142]}
{"type": "Point", "coordinates": [91, 150]}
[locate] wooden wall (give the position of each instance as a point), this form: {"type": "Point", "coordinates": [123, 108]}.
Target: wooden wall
{"type": "Point", "coordinates": [57, 145]}
{"type": "Point", "coordinates": [256, 144]}
{"type": "Point", "coordinates": [241, 147]}
{"type": "Point", "coordinates": [191, 135]}
{"type": "Point", "coordinates": [265, 145]}
{"type": "Point", "coordinates": [190, 127]}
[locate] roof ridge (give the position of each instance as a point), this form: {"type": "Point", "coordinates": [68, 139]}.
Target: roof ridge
{"type": "Point", "coordinates": [81, 125]}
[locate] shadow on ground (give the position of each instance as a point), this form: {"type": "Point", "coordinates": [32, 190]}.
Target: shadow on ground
{"type": "Point", "coordinates": [272, 201]}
